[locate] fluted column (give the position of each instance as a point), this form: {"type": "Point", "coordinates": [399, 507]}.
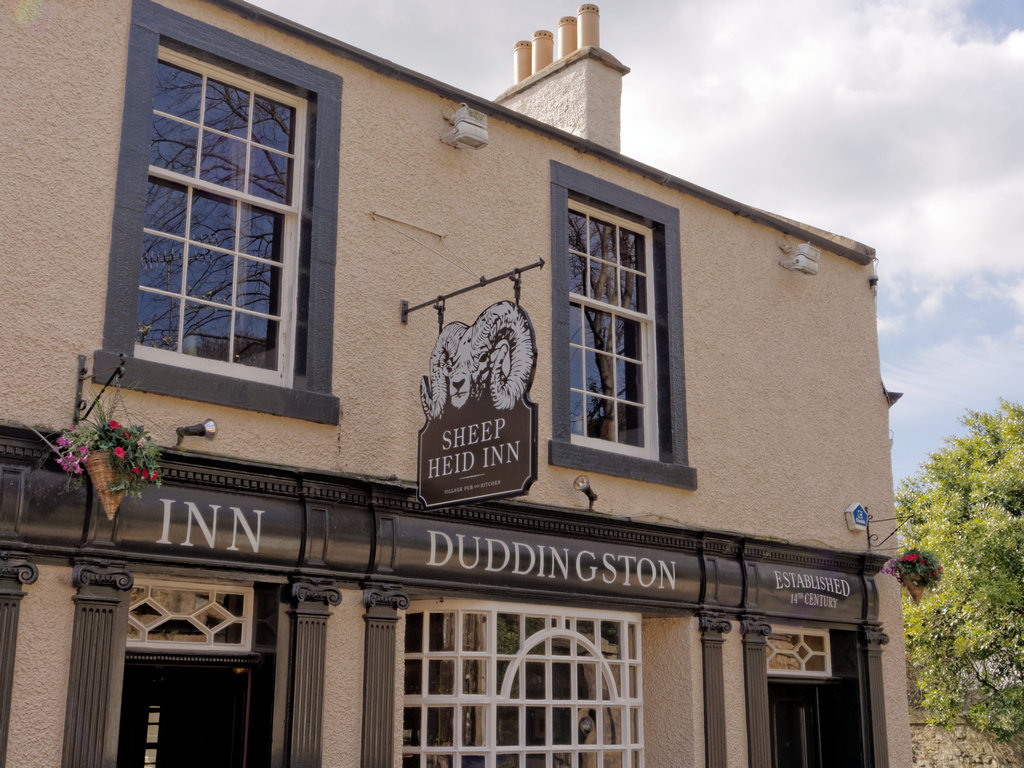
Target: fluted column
{"type": "Point", "coordinates": [755, 679]}
{"type": "Point", "coordinates": [97, 664]}
{"type": "Point", "coordinates": [14, 572]}
{"type": "Point", "coordinates": [383, 602]}
{"type": "Point", "coordinates": [311, 601]}
{"type": "Point", "coordinates": [872, 640]}
{"type": "Point", "coordinates": [713, 629]}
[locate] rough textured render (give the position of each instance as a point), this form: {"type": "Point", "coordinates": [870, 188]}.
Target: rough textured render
{"type": "Point", "coordinates": [581, 94]}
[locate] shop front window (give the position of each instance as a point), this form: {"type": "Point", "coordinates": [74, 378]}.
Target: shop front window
{"type": "Point", "coordinates": [521, 687]}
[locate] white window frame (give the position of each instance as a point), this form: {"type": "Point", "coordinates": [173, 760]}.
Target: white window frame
{"type": "Point", "coordinates": [649, 450]}
{"type": "Point", "coordinates": [282, 375]}
{"type": "Point", "coordinates": [558, 624]}
{"type": "Point", "coordinates": [802, 653]}
{"type": "Point", "coordinates": [207, 647]}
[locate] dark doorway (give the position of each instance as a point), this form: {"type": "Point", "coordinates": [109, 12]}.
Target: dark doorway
{"type": "Point", "coordinates": [184, 716]}
{"type": "Point", "coordinates": [796, 739]}
{"type": "Point", "coordinates": [809, 720]}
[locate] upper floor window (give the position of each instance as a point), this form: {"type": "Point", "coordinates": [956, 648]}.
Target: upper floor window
{"type": "Point", "coordinates": [618, 390]}
{"type": "Point", "coordinates": [224, 239]}
{"type": "Point", "coordinates": [220, 241]}
{"type": "Point", "coordinates": [611, 365]}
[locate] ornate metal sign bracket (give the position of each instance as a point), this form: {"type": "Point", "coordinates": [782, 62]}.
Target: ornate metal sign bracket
{"type": "Point", "coordinates": [83, 374]}
{"type": "Point", "coordinates": [439, 302]}
{"type": "Point", "coordinates": [873, 542]}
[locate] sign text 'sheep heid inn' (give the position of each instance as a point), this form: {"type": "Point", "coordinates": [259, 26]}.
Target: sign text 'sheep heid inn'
{"type": "Point", "coordinates": [480, 437]}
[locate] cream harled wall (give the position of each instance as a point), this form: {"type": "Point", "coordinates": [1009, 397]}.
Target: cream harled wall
{"type": "Point", "coordinates": [787, 423]}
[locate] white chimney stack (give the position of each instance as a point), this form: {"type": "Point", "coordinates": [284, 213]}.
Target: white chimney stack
{"type": "Point", "coordinates": [581, 91]}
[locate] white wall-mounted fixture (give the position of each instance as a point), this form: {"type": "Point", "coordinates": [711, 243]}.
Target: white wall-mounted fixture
{"type": "Point", "coordinates": [582, 484]}
{"type": "Point", "coordinates": [805, 258]}
{"type": "Point", "coordinates": [470, 128]}
{"type": "Point", "coordinates": [207, 429]}
{"type": "Point", "coordinates": [857, 517]}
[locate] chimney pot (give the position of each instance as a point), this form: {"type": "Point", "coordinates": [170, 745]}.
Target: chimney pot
{"type": "Point", "coordinates": [588, 31]}
{"type": "Point", "coordinates": [543, 49]}
{"type": "Point", "coordinates": [521, 60]}
{"type": "Point", "coordinates": [566, 36]}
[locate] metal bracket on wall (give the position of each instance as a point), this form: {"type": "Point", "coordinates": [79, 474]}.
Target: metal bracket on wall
{"type": "Point", "coordinates": [439, 302]}
{"type": "Point", "coordinates": [83, 374]}
{"type": "Point", "coordinates": [873, 542]}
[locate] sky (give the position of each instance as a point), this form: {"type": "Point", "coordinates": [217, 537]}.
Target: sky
{"type": "Point", "coordinates": [897, 123]}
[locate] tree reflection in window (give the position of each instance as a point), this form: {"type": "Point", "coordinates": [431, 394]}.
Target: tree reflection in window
{"type": "Point", "coordinates": [609, 322]}
{"type": "Point", "coordinates": [212, 279]}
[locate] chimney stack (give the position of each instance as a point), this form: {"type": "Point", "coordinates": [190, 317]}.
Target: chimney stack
{"type": "Point", "coordinates": [581, 91]}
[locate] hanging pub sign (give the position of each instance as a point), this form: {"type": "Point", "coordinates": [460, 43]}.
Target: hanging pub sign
{"type": "Point", "coordinates": [480, 437]}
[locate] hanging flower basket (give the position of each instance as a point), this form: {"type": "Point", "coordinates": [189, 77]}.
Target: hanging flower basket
{"type": "Point", "coordinates": [103, 476]}
{"type": "Point", "coordinates": [916, 570]}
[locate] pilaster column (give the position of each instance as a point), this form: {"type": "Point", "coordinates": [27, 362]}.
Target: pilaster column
{"type": "Point", "coordinates": [872, 640]}
{"type": "Point", "coordinates": [93, 710]}
{"type": "Point", "coordinates": [755, 680]}
{"type": "Point", "coordinates": [311, 601]}
{"type": "Point", "coordinates": [383, 602]}
{"type": "Point", "coordinates": [14, 572]}
{"type": "Point", "coordinates": [713, 629]}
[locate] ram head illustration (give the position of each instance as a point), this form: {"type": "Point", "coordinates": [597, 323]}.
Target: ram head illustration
{"type": "Point", "coordinates": [493, 358]}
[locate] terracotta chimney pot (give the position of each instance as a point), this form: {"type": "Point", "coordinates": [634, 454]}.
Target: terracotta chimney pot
{"type": "Point", "coordinates": [588, 31]}
{"type": "Point", "coordinates": [543, 49]}
{"type": "Point", "coordinates": [566, 36]}
{"type": "Point", "coordinates": [521, 63]}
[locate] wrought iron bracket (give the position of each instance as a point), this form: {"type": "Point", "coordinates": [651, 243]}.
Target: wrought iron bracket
{"type": "Point", "coordinates": [83, 374]}
{"type": "Point", "coordinates": [439, 302]}
{"type": "Point", "coordinates": [873, 542]}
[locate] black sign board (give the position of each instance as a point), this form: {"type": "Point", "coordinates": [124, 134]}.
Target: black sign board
{"type": "Point", "coordinates": [480, 437]}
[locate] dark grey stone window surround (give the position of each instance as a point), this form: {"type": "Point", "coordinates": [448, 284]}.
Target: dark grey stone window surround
{"type": "Point", "coordinates": [671, 467]}
{"type": "Point", "coordinates": [310, 396]}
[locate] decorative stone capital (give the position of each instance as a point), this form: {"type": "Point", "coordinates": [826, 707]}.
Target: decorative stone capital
{"type": "Point", "coordinates": [756, 626]}
{"type": "Point", "coordinates": [873, 635]}
{"type": "Point", "coordinates": [385, 596]}
{"type": "Point", "coordinates": [101, 574]}
{"type": "Point", "coordinates": [714, 622]}
{"type": "Point", "coordinates": [17, 568]}
{"type": "Point", "coordinates": [316, 590]}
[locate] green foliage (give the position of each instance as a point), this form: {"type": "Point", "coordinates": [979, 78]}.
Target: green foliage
{"type": "Point", "coordinates": [916, 565]}
{"type": "Point", "coordinates": [966, 638]}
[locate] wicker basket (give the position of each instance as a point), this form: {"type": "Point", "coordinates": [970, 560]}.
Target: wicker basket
{"type": "Point", "coordinates": [916, 590]}
{"type": "Point", "coordinates": [101, 474]}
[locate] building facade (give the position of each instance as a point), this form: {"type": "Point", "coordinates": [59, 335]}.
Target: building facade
{"type": "Point", "coordinates": [526, 454]}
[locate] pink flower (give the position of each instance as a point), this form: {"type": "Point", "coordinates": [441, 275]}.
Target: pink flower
{"type": "Point", "coordinates": [119, 452]}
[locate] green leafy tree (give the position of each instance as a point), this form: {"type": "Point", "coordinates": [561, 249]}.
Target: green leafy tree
{"type": "Point", "coordinates": [966, 637]}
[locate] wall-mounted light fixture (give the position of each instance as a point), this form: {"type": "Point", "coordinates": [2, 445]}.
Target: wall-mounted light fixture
{"type": "Point", "coordinates": [207, 429]}
{"type": "Point", "coordinates": [582, 484]}
{"type": "Point", "coordinates": [805, 258]}
{"type": "Point", "coordinates": [470, 128]}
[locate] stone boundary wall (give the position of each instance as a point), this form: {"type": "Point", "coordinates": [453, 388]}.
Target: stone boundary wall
{"type": "Point", "coordinates": [961, 747]}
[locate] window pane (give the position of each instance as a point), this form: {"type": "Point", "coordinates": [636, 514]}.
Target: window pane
{"type": "Point", "coordinates": [587, 682]}
{"type": "Point", "coordinates": [272, 124]}
{"type": "Point", "coordinates": [602, 282]}
{"type": "Point", "coordinates": [269, 175]}
{"type": "Point", "coordinates": [561, 681]}
{"type": "Point", "coordinates": [577, 422]}
{"type": "Point", "coordinates": [561, 725]}
{"type": "Point", "coordinates": [223, 160]}
{"type": "Point", "coordinates": [210, 275]}
{"type": "Point", "coordinates": [612, 725]}
{"type": "Point", "coordinates": [258, 287]}
{"type": "Point", "coordinates": [261, 233]}
{"type": "Point", "coordinates": [442, 632]}
{"type": "Point", "coordinates": [165, 207]}
{"type": "Point", "coordinates": [535, 680]}
{"type": "Point", "coordinates": [441, 677]}
{"type": "Point", "coordinates": [161, 263]}
{"type": "Point", "coordinates": [411, 719]}
{"type": "Point", "coordinates": [177, 631]}
{"type": "Point", "coordinates": [157, 321]}
{"type": "Point", "coordinates": [178, 91]}
{"type": "Point", "coordinates": [227, 109]}
{"type": "Point", "coordinates": [600, 418]}
{"type": "Point", "coordinates": [213, 220]}
{"type": "Point", "coordinates": [413, 632]}
{"type": "Point", "coordinates": [440, 722]}
{"type": "Point", "coordinates": [597, 332]}
{"type": "Point", "coordinates": [206, 331]}
{"type": "Point", "coordinates": [414, 677]}
{"type": "Point", "coordinates": [536, 727]}
{"type": "Point", "coordinates": [508, 633]}
{"type": "Point", "coordinates": [628, 338]}
{"type": "Point", "coordinates": [474, 676]}
{"type": "Point", "coordinates": [474, 632]}
{"type": "Point", "coordinates": [602, 240]}
{"type": "Point", "coordinates": [508, 726]}
{"type": "Point", "coordinates": [610, 639]}
{"type": "Point", "coordinates": [173, 146]}
{"type": "Point", "coordinates": [577, 231]}
{"type": "Point", "coordinates": [631, 382]}
{"type": "Point", "coordinates": [577, 274]}
{"type": "Point", "coordinates": [474, 727]}
{"type": "Point", "coordinates": [631, 250]}
{"type": "Point", "coordinates": [633, 288]}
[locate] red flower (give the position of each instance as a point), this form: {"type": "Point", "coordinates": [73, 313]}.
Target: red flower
{"type": "Point", "coordinates": [119, 452]}
{"type": "Point", "coordinates": [136, 470]}
{"type": "Point", "coordinates": [114, 425]}
{"type": "Point", "coordinates": [145, 474]}
{"type": "Point", "coordinates": [152, 477]}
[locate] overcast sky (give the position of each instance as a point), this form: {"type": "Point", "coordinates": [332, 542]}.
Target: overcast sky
{"type": "Point", "coordinates": [898, 123]}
